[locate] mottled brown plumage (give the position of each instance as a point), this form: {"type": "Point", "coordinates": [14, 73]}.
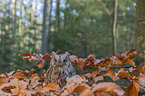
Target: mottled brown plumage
{"type": "Point", "coordinates": [60, 68]}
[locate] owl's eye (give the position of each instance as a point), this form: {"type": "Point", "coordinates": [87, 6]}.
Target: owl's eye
{"type": "Point", "coordinates": [64, 60]}
{"type": "Point", "coordinates": [55, 60]}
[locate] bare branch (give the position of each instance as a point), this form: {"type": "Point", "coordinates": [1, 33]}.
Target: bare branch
{"type": "Point", "coordinates": [104, 7]}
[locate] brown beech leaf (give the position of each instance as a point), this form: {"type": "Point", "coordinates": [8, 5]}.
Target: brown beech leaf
{"type": "Point", "coordinates": [15, 82]}
{"type": "Point", "coordinates": [112, 75]}
{"type": "Point", "coordinates": [139, 70]}
{"type": "Point", "coordinates": [98, 78]}
{"type": "Point", "coordinates": [102, 94]}
{"type": "Point", "coordinates": [23, 87]}
{"type": "Point", "coordinates": [73, 58]}
{"type": "Point", "coordinates": [87, 92]}
{"type": "Point", "coordinates": [10, 73]}
{"type": "Point", "coordinates": [87, 75]}
{"type": "Point", "coordinates": [26, 58]}
{"type": "Point", "coordinates": [57, 51]}
{"type": "Point", "coordinates": [25, 72]}
{"type": "Point", "coordinates": [31, 71]}
{"type": "Point", "coordinates": [108, 87]}
{"type": "Point", "coordinates": [130, 69]}
{"type": "Point", "coordinates": [41, 63]}
{"type": "Point", "coordinates": [46, 56]}
{"type": "Point", "coordinates": [51, 86]}
{"type": "Point", "coordinates": [76, 79]}
{"type": "Point", "coordinates": [25, 54]}
{"type": "Point", "coordinates": [19, 75]}
{"type": "Point", "coordinates": [131, 62]}
{"type": "Point", "coordinates": [132, 89]}
{"type": "Point", "coordinates": [7, 86]}
{"type": "Point", "coordinates": [124, 75]}
{"type": "Point", "coordinates": [79, 88]}
{"type": "Point", "coordinates": [118, 62]}
{"type": "Point", "coordinates": [131, 54]}
{"type": "Point", "coordinates": [2, 93]}
{"type": "Point", "coordinates": [142, 80]}
{"type": "Point", "coordinates": [95, 73]}
{"type": "Point", "coordinates": [3, 80]}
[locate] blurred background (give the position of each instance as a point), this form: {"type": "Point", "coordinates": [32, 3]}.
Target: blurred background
{"type": "Point", "coordinates": [82, 27]}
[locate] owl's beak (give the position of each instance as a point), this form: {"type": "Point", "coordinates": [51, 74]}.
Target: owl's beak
{"type": "Point", "coordinates": [60, 64]}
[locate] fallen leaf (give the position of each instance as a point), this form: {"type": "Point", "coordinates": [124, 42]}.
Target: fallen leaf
{"type": "Point", "coordinates": [112, 75]}
{"type": "Point", "coordinates": [132, 89]}
{"type": "Point", "coordinates": [107, 87]}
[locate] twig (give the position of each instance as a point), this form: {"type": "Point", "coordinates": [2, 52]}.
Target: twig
{"type": "Point", "coordinates": [109, 13]}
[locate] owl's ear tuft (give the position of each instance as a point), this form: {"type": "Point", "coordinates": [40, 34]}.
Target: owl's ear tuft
{"type": "Point", "coordinates": [67, 54]}
{"type": "Point", "coordinates": [53, 53]}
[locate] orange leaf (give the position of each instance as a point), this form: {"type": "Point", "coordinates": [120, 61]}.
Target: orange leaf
{"type": "Point", "coordinates": [95, 73]}
{"type": "Point", "coordinates": [46, 56]}
{"type": "Point", "coordinates": [15, 82]}
{"type": "Point", "coordinates": [124, 75]}
{"type": "Point", "coordinates": [7, 86]}
{"type": "Point", "coordinates": [132, 89]}
{"type": "Point", "coordinates": [98, 78]}
{"type": "Point", "coordinates": [57, 51]}
{"type": "Point", "coordinates": [25, 54]}
{"type": "Point", "coordinates": [118, 62]}
{"type": "Point", "coordinates": [51, 86]}
{"type": "Point", "coordinates": [107, 87]}
{"type": "Point", "coordinates": [131, 54]}
{"type": "Point", "coordinates": [139, 70]}
{"type": "Point", "coordinates": [131, 62]}
{"type": "Point", "coordinates": [31, 71]}
{"type": "Point", "coordinates": [25, 58]}
{"type": "Point", "coordinates": [19, 75]}
{"type": "Point", "coordinates": [3, 80]}
{"type": "Point", "coordinates": [88, 75]}
{"type": "Point", "coordinates": [79, 88]}
{"type": "Point", "coordinates": [41, 63]}
{"type": "Point", "coordinates": [112, 75]}
{"type": "Point", "coordinates": [87, 92]}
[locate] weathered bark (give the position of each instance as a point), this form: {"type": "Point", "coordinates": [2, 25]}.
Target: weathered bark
{"type": "Point", "coordinates": [32, 32]}
{"type": "Point", "coordinates": [14, 20]}
{"type": "Point", "coordinates": [49, 39]}
{"type": "Point", "coordinates": [57, 16]}
{"type": "Point", "coordinates": [140, 32]}
{"type": "Point", "coordinates": [45, 26]}
{"type": "Point", "coordinates": [114, 28]}
{"type": "Point", "coordinates": [1, 7]}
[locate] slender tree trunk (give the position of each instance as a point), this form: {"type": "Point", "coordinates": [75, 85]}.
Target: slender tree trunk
{"type": "Point", "coordinates": [14, 2]}
{"type": "Point", "coordinates": [49, 39]}
{"type": "Point", "coordinates": [114, 28]}
{"type": "Point", "coordinates": [45, 30]}
{"type": "Point", "coordinates": [45, 26]}
{"type": "Point", "coordinates": [1, 7]}
{"type": "Point", "coordinates": [140, 32]}
{"type": "Point", "coordinates": [20, 27]}
{"type": "Point", "coordinates": [57, 16]}
{"type": "Point", "coordinates": [32, 32]}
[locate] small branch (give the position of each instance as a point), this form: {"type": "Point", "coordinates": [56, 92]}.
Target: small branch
{"type": "Point", "coordinates": [104, 7]}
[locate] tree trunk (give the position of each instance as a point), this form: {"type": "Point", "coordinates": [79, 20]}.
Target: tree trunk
{"type": "Point", "coordinates": [140, 32]}
{"type": "Point", "coordinates": [57, 16]}
{"type": "Point", "coordinates": [32, 32]}
{"type": "Point", "coordinates": [45, 26]}
{"type": "Point", "coordinates": [1, 22]}
{"type": "Point", "coordinates": [114, 28]}
{"type": "Point", "coordinates": [13, 24]}
{"type": "Point", "coordinates": [49, 39]}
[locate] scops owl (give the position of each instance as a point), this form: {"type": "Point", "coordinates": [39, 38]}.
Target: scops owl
{"type": "Point", "coordinates": [60, 68]}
